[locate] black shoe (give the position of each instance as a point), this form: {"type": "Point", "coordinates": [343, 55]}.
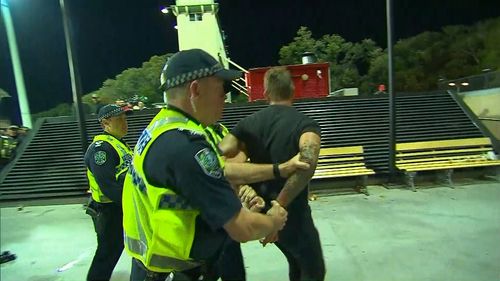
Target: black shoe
{"type": "Point", "coordinates": [6, 257]}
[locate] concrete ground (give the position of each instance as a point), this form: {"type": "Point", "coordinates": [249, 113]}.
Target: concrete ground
{"type": "Point", "coordinates": [432, 234]}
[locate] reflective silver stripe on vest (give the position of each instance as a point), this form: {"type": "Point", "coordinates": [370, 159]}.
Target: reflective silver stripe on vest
{"type": "Point", "coordinates": [168, 120]}
{"type": "Point", "coordinates": [139, 248]}
{"type": "Point", "coordinates": [173, 201]}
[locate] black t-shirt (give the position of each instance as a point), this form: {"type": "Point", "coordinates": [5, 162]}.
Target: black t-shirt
{"type": "Point", "coordinates": [272, 135]}
{"type": "Point", "coordinates": [187, 163]}
{"type": "Point", "coordinates": [101, 159]}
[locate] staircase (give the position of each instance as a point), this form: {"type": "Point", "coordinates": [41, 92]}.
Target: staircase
{"type": "Point", "coordinates": [52, 165]}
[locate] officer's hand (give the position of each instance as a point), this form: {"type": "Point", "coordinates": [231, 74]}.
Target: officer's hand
{"type": "Point", "coordinates": [292, 165]}
{"type": "Point", "coordinates": [256, 204]}
{"type": "Point", "coordinates": [279, 215]}
{"type": "Point", "coordinates": [246, 194]}
{"type": "Point", "coordinates": [271, 238]}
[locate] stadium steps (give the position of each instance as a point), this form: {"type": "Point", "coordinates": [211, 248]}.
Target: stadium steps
{"type": "Point", "coordinates": [52, 165]}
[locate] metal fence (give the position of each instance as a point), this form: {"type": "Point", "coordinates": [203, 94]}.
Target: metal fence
{"type": "Point", "coordinates": [472, 83]}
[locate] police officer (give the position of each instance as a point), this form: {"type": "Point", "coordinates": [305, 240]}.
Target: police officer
{"type": "Point", "coordinates": [8, 145]}
{"type": "Point", "coordinates": [107, 160]}
{"type": "Point", "coordinates": [178, 207]}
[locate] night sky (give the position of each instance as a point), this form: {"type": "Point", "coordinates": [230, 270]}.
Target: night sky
{"type": "Point", "coordinates": [111, 35]}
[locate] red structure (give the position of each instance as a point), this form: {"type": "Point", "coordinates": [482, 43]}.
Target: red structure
{"type": "Point", "coordinates": [311, 81]}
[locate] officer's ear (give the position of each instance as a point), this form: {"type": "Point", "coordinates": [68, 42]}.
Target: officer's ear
{"type": "Point", "coordinates": [104, 123]}
{"type": "Point", "coordinates": [194, 89]}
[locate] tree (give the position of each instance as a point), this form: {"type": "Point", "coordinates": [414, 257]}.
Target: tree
{"type": "Point", "coordinates": [349, 62]}
{"type": "Point", "coordinates": [303, 42]}
{"type": "Point", "coordinates": [419, 61]}
{"type": "Point", "coordinates": [62, 109]}
{"type": "Point", "coordinates": [457, 51]}
{"type": "Point", "coordinates": [489, 56]}
{"type": "Point", "coordinates": [144, 81]}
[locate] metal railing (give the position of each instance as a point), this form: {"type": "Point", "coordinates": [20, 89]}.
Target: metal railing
{"type": "Point", "coordinates": [481, 81]}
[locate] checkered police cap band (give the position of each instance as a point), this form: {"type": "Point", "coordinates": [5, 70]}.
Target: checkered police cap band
{"type": "Point", "coordinates": [182, 78]}
{"type": "Point", "coordinates": [189, 65]}
{"type": "Point", "coordinates": [108, 111]}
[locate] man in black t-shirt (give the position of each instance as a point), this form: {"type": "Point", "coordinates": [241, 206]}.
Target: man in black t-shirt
{"type": "Point", "coordinates": [273, 135]}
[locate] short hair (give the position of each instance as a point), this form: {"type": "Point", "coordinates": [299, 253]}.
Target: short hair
{"type": "Point", "coordinates": [177, 91]}
{"type": "Point", "coordinates": [278, 84]}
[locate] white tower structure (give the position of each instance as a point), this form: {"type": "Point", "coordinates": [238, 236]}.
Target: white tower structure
{"type": "Point", "coordinates": [198, 27]}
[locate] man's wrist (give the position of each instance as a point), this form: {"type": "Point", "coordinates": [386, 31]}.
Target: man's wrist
{"type": "Point", "coordinates": [276, 171]}
{"type": "Point", "coordinates": [280, 202]}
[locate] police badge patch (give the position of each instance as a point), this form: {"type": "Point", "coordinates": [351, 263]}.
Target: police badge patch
{"type": "Point", "coordinates": [100, 157]}
{"type": "Point", "coordinates": [209, 163]}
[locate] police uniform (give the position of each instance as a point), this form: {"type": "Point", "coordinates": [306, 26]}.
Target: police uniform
{"type": "Point", "coordinates": [7, 150]}
{"type": "Point", "coordinates": [217, 132]}
{"type": "Point", "coordinates": [107, 160]}
{"type": "Point", "coordinates": [176, 199]}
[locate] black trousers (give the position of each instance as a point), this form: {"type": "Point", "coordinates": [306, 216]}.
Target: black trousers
{"type": "Point", "coordinates": [109, 229]}
{"type": "Point", "coordinates": [299, 242]}
{"type": "Point", "coordinates": [230, 266]}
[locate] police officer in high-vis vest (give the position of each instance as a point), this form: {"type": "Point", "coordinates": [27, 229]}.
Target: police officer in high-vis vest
{"type": "Point", "coordinates": [107, 160]}
{"type": "Point", "coordinates": [178, 207]}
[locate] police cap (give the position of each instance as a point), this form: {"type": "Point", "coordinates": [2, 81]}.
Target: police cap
{"type": "Point", "coordinates": [111, 110]}
{"type": "Point", "coordinates": [189, 65]}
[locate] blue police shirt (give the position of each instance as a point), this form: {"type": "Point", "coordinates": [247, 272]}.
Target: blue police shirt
{"type": "Point", "coordinates": [174, 160]}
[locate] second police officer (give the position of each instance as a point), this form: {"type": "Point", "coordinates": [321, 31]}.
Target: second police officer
{"type": "Point", "coordinates": [107, 160]}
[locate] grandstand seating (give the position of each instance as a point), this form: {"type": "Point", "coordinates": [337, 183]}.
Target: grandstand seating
{"type": "Point", "coordinates": [52, 165]}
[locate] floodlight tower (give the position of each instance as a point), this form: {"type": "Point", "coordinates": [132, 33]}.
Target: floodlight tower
{"type": "Point", "coordinates": [16, 65]}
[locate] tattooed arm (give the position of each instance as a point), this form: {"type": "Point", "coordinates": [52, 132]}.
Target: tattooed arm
{"type": "Point", "coordinates": [309, 145]}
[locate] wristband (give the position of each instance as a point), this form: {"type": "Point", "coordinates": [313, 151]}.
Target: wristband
{"type": "Point", "coordinates": [276, 171]}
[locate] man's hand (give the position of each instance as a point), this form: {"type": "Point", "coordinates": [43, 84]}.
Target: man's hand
{"type": "Point", "coordinates": [279, 215]}
{"type": "Point", "coordinates": [271, 238]}
{"type": "Point", "coordinates": [246, 193]}
{"type": "Point", "coordinates": [256, 204]}
{"type": "Point", "coordinates": [292, 165]}
{"type": "Point", "coordinates": [250, 199]}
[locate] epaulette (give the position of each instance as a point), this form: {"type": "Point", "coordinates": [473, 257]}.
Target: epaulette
{"type": "Point", "coordinates": [98, 143]}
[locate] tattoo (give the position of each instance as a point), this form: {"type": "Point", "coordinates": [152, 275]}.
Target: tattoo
{"type": "Point", "coordinates": [309, 152]}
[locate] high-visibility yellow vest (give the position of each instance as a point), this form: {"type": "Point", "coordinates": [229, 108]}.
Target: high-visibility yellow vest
{"type": "Point", "coordinates": [159, 224]}
{"type": "Point", "coordinates": [218, 131]}
{"type": "Point", "coordinates": [125, 156]}
{"type": "Point", "coordinates": [7, 147]}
